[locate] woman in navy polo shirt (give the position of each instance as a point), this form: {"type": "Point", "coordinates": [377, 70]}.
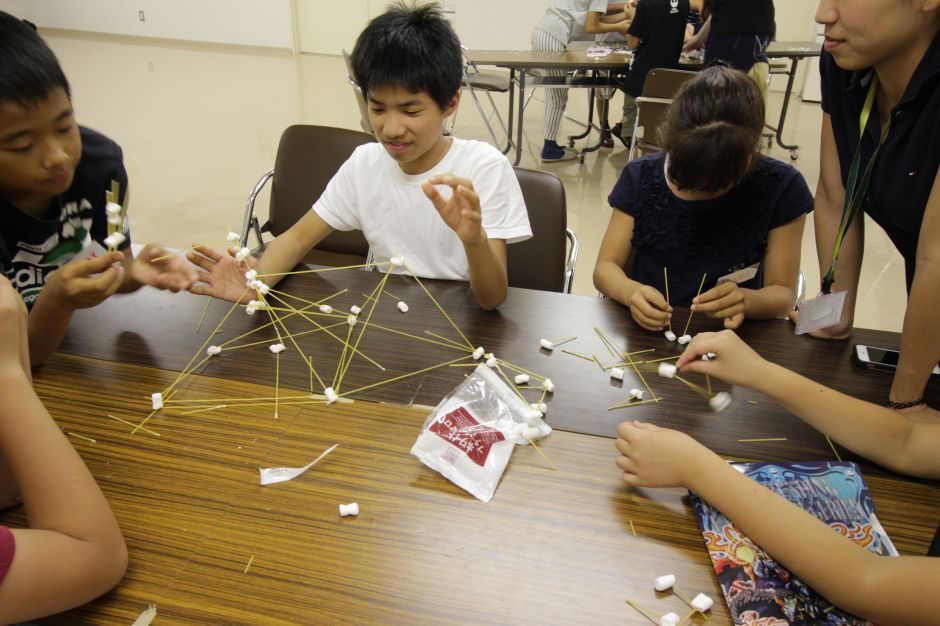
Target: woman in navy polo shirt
{"type": "Point", "coordinates": [887, 52]}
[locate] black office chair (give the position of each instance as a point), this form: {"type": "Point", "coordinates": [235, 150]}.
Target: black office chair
{"type": "Point", "coordinates": [547, 260]}
{"type": "Point", "coordinates": [307, 158]}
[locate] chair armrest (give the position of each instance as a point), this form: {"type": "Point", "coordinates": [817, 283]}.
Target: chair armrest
{"type": "Point", "coordinates": [250, 218]}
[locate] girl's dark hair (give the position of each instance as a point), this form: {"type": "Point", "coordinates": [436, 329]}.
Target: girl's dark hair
{"type": "Point", "coordinates": [410, 47]}
{"type": "Point", "coordinates": [712, 130]}
{"type": "Point", "coordinates": [29, 71]}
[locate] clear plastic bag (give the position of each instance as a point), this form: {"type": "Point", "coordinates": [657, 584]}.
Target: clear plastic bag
{"type": "Point", "coordinates": [470, 435]}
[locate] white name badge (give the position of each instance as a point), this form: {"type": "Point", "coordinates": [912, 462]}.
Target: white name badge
{"type": "Point", "coordinates": [740, 276]}
{"type": "Point", "coordinates": [821, 312]}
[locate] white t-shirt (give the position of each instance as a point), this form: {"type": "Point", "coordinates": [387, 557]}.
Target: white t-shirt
{"type": "Point", "coordinates": [564, 19]}
{"type": "Point", "coordinates": [370, 193]}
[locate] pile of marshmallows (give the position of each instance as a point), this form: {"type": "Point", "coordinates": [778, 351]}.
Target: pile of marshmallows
{"type": "Point", "coordinates": [699, 603]}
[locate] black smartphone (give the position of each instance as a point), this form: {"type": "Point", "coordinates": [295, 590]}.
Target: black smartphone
{"type": "Point", "coordinates": [880, 358]}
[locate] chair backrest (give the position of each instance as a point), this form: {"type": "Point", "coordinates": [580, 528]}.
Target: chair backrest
{"type": "Point", "coordinates": [364, 121]}
{"type": "Point", "coordinates": [659, 88]}
{"type": "Point", "coordinates": [307, 158]}
{"type": "Point", "coordinates": [665, 83]}
{"type": "Point", "coordinates": [540, 262]}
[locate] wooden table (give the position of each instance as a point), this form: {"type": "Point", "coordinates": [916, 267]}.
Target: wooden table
{"type": "Point", "coordinates": [551, 547]}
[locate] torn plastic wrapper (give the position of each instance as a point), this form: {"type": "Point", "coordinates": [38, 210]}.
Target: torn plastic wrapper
{"type": "Point", "coordinates": [273, 475]}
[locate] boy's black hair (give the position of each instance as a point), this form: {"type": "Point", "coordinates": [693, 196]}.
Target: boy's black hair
{"type": "Point", "coordinates": [29, 71]}
{"type": "Point", "coordinates": [410, 47]}
{"type": "Point", "coordinates": [712, 130]}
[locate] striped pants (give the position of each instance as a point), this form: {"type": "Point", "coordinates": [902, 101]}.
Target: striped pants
{"type": "Point", "coordinates": [555, 99]}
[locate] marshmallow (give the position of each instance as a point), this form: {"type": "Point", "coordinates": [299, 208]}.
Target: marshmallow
{"type": "Point", "coordinates": [114, 240]}
{"type": "Point", "coordinates": [351, 320]}
{"type": "Point", "coordinates": [540, 406]}
{"type": "Point", "coordinates": [349, 509]}
{"type": "Point", "coordinates": [664, 583]}
{"type": "Point", "coordinates": [720, 401]}
{"type": "Point", "coordinates": [156, 400]}
{"type": "Point", "coordinates": [684, 339]}
{"type": "Point", "coordinates": [531, 433]}
{"type": "Point", "coordinates": [519, 428]}
{"type": "Point", "coordinates": [402, 306]}
{"type": "Point", "coordinates": [255, 284]}
{"type": "Point", "coordinates": [355, 310]}
{"type": "Point", "coordinates": [251, 275]}
{"type": "Point", "coordinates": [114, 220]}
{"type": "Point", "coordinates": [705, 357]}
{"type": "Point", "coordinates": [669, 619]}
{"type": "Point", "coordinates": [326, 308]}
{"type": "Point", "coordinates": [667, 370]}
{"type": "Point", "coordinates": [548, 385]}
{"type": "Point", "coordinates": [491, 361]}
{"type": "Point", "coordinates": [522, 379]}
{"type": "Point", "coordinates": [548, 345]}
{"type": "Point", "coordinates": [331, 396]}
{"type": "Point", "coordinates": [544, 429]}
{"type": "Point", "coordinates": [636, 394]}
{"type": "Point", "coordinates": [242, 254]}
{"type": "Point", "coordinates": [397, 261]}
{"type": "Point", "coordinates": [671, 336]}
{"type": "Point", "coordinates": [711, 355]}
{"type": "Point", "coordinates": [112, 208]}
{"type": "Point", "coordinates": [213, 350]}
{"type": "Point", "coordinates": [251, 310]}
{"type": "Point", "coordinates": [532, 417]}
{"type": "Point", "coordinates": [701, 603]}
{"type": "Point", "coordinates": [233, 237]}
{"type": "Point", "coordinates": [263, 289]}
{"type": "Point", "coordinates": [277, 347]}
{"type": "Point", "coordinates": [478, 354]}
{"type": "Point", "coordinates": [616, 372]}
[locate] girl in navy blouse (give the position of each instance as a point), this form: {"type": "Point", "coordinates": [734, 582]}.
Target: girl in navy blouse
{"type": "Point", "coordinates": [708, 205]}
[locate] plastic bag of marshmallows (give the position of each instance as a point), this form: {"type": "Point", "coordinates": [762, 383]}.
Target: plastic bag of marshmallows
{"type": "Point", "coordinates": [470, 435]}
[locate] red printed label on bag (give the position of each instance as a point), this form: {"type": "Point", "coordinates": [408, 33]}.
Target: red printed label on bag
{"type": "Point", "coordinates": [460, 429]}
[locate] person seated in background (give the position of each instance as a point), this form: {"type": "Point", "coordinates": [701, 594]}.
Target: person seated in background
{"type": "Point", "coordinates": [53, 179]}
{"type": "Point", "coordinates": [408, 63]}
{"type": "Point", "coordinates": [899, 590]}
{"type": "Point", "coordinates": [710, 204]}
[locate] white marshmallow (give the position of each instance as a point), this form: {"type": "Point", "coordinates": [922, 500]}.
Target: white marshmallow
{"type": "Point", "coordinates": [233, 237]}
{"type": "Point", "coordinates": [213, 350]}
{"type": "Point", "coordinates": [349, 509]}
{"type": "Point", "coordinates": [545, 343]}
{"type": "Point", "coordinates": [263, 289]}
{"type": "Point", "coordinates": [616, 372]}
{"type": "Point", "coordinates": [701, 603]}
{"type": "Point", "coordinates": [251, 275]}
{"type": "Point", "coordinates": [277, 347]}
{"type": "Point", "coordinates": [669, 619]}
{"type": "Point", "coordinates": [156, 400]}
{"type": "Point", "coordinates": [491, 361]}
{"type": "Point", "coordinates": [114, 239]}
{"type": "Point", "coordinates": [355, 310]}
{"type": "Point", "coordinates": [671, 336]}
{"type": "Point", "coordinates": [242, 254]}
{"type": "Point", "coordinates": [720, 401]}
{"type": "Point", "coordinates": [531, 433]}
{"type": "Point", "coordinates": [664, 583]}
{"type": "Point", "coordinates": [667, 370]}
{"type": "Point", "coordinates": [112, 208]}
{"type": "Point", "coordinates": [331, 396]}
{"type": "Point", "coordinates": [251, 310]}
{"type": "Point", "coordinates": [114, 220]}
{"type": "Point", "coordinates": [540, 406]}
{"type": "Point", "coordinates": [522, 379]}
{"type": "Point", "coordinates": [684, 339]}
{"type": "Point", "coordinates": [256, 304]}
{"type": "Point", "coordinates": [705, 357]}
{"type": "Point", "coordinates": [532, 417]}
{"type": "Point", "coordinates": [351, 320]}
{"type": "Point", "coordinates": [478, 354]}
{"type": "Point", "coordinates": [636, 394]}
{"type": "Point", "coordinates": [548, 385]}
{"type": "Point", "coordinates": [519, 428]}
{"type": "Point", "coordinates": [326, 308]}
{"type": "Point", "coordinates": [544, 429]}
{"type": "Point", "coordinates": [255, 284]}
{"type": "Point", "coordinates": [402, 306]}
{"type": "Point", "coordinates": [712, 355]}
{"type": "Point", "coordinates": [397, 261]}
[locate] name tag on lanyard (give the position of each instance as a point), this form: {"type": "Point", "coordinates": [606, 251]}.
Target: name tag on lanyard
{"type": "Point", "coordinates": [821, 312]}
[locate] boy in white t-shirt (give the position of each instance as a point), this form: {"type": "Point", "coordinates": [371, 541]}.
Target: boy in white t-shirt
{"type": "Point", "coordinates": [447, 206]}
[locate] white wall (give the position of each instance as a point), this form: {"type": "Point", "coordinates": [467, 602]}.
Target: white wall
{"type": "Point", "coordinates": [14, 7]}
{"type": "Point", "coordinates": [245, 22]}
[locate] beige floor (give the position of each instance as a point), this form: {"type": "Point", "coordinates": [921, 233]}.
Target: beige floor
{"type": "Point", "coordinates": [199, 124]}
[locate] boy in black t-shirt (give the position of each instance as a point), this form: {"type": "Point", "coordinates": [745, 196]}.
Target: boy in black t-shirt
{"type": "Point", "coordinates": [53, 178]}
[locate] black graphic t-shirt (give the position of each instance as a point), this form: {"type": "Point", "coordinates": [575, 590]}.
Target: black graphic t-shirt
{"type": "Point", "coordinates": [32, 248]}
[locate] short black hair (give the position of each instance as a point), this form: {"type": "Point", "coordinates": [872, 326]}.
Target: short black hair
{"type": "Point", "coordinates": [29, 70]}
{"type": "Point", "coordinates": [712, 130]}
{"type": "Point", "coordinates": [410, 47]}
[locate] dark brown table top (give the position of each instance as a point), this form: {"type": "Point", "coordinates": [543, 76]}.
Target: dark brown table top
{"type": "Point", "coordinates": [158, 329]}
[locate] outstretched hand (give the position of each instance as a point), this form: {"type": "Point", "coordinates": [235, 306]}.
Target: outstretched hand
{"type": "Point", "coordinates": [461, 211]}
{"type": "Point", "coordinates": [222, 276]}
{"type": "Point", "coordinates": [172, 273]}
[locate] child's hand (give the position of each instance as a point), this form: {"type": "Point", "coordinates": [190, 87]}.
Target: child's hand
{"type": "Point", "coordinates": [75, 286]}
{"type": "Point", "coordinates": [651, 456]}
{"type": "Point", "coordinates": [172, 273]}
{"type": "Point", "coordinates": [14, 333]}
{"type": "Point", "coordinates": [224, 277]}
{"type": "Point", "coordinates": [724, 301]}
{"type": "Point", "coordinates": [649, 309]}
{"type": "Point", "coordinates": [735, 361]}
{"type": "Point", "coordinates": [461, 211]}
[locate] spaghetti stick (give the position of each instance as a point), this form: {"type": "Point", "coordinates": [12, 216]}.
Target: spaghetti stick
{"type": "Point", "coordinates": [541, 454]}
{"type": "Point", "coordinates": [762, 440]}
{"type": "Point", "coordinates": [323, 269]}
{"type": "Point", "coordinates": [209, 408]}
{"type": "Point", "coordinates": [123, 421]}
{"type": "Point", "coordinates": [689, 321]}
{"type": "Point", "coordinates": [202, 317]}
{"type": "Point", "coordinates": [560, 342]}
{"type": "Point", "coordinates": [250, 561]}
{"type": "Point", "coordinates": [397, 378]}
{"type": "Point", "coordinates": [834, 451]}
{"type": "Point", "coordinates": [441, 309]}
{"type": "Point", "coordinates": [365, 326]}
{"type": "Point", "coordinates": [277, 381]}
{"type": "Point", "coordinates": [642, 611]}
{"type": "Point", "coordinates": [580, 356]}
{"type": "Point", "coordinates": [666, 280]}
{"type": "Point", "coordinates": [624, 405]}
{"type": "Point", "coordinates": [696, 388]}
{"type": "Point", "coordinates": [450, 341]}
{"type": "Point", "coordinates": [164, 257]}
{"type": "Point", "coordinates": [71, 434]}
{"type": "Point", "coordinates": [642, 378]}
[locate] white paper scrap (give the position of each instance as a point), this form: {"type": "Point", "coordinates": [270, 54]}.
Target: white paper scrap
{"type": "Point", "coordinates": [272, 475]}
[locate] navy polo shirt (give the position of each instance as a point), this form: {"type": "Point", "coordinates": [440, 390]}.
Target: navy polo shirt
{"type": "Point", "coordinates": [906, 166]}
